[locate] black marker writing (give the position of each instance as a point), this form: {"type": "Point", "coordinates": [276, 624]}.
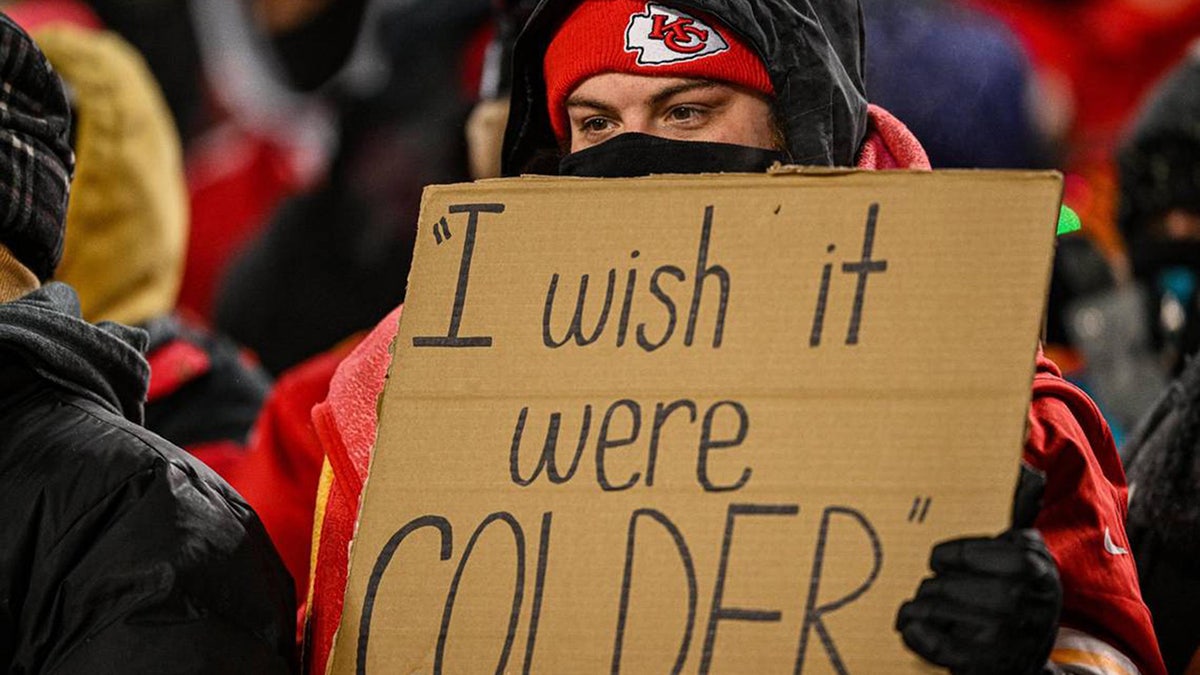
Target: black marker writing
{"type": "Point", "coordinates": [452, 339]}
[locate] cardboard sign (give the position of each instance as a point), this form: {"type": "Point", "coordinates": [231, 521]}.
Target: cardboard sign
{"type": "Point", "coordinates": [694, 424]}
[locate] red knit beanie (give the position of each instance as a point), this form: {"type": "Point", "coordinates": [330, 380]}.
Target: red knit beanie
{"type": "Point", "coordinates": [643, 38]}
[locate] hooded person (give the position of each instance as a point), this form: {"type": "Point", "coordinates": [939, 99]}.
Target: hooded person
{"type": "Point", "coordinates": [126, 237]}
{"type": "Point", "coordinates": [120, 552]}
{"type": "Point", "coordinates": [124, 250]}
{"type": "Point", "coordinates": [1163, 460]}
{"type": "Point", "coordinates": [1160, 217]}
{"type": "Point", "coordinates": [1159, 209]}
{"type": "Point", "coordinates": [614, 88]}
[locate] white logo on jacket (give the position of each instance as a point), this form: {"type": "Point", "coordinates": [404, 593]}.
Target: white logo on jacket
{"type": "Point", "coordinates": [663, 36]}
{"type": "Point", "coordinates": [1111, 546]}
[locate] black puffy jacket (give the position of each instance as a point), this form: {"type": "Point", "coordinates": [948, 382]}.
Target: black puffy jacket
{"type": "Point", "coordinates": [118, 552]}
{"type": "Point", "coordinates": [1162, 460]}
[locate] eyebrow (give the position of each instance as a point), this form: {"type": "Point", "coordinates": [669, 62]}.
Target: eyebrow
{"type": "Point", "coordinates": [578, 102]}
{"type": "Point", "coordinates": [671, 92]}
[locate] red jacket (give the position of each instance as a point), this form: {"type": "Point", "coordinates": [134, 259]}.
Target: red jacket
{"type": "Point", "coordinates": [1069, 440]}
{"type": "Point", "coordinates": [1083, 522]}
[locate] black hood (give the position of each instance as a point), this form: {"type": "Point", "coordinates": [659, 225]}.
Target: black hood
{"type": "Point", "coordinates": [102, 363]}
{"type": "Point", "coordinates": [1159, 162]}
{"type": "Point", "coordinates": [813, 50]}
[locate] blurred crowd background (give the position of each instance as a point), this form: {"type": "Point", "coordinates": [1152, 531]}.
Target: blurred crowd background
{"type": "Point", "coordinates": [250, 174]}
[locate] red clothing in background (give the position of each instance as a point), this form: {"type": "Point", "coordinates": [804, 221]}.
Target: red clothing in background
{"type": "Point", "coordinates": [235, 182]}
{"type": "Point", "coordinates": [282, 467]}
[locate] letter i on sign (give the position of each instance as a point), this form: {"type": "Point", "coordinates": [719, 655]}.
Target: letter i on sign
{"type": "Point", "coordinates": [441, 233]}
{"type": "Point", "coordinates": [822, 301]}
{"type": "Point", "coordinates": [863, 269]}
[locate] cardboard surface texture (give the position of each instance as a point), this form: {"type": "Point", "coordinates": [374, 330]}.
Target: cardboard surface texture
{"type": "Point", "coordinates": [776, 394]}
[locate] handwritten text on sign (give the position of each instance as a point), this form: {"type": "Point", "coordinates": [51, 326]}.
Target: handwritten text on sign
{"type": "Point", "coordinates": [669, 424]}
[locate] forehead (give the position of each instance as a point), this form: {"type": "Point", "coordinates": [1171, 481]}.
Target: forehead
{"type": "Point", "coordinates": [625, 89]}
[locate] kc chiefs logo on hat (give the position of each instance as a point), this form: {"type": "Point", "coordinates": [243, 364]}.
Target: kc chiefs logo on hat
{"type": "Point", "coordinates": [663, 36]}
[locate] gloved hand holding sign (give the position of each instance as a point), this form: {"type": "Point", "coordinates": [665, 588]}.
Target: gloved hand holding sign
{"type": "Point", "coordinates": [992, 604]}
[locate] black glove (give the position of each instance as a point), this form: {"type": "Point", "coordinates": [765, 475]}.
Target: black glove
{"type": "Point", "coordinates": [992, 605]}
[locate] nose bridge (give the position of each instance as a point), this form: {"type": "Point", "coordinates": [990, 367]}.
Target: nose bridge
{"type": "Point", "coordinates": [640, 126]}
{"type": "Point", "coordinates": [637, 118]}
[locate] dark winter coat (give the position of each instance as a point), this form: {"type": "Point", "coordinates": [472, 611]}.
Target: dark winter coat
{"type": "Point", "coordinates": [1159, 170]}
{"type": "Point", "coordinates": [1158, 173]}
{"type": "Point", "coordinates": [118, 552]}
{"type": "Point", "coordinates": [1163, 462]}
{"type": "Point", "coordinates": [1158, 158]}
{"type": "Point", "coordinates": [813, 50]}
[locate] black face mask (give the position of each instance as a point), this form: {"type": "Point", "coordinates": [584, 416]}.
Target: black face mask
{"type": "Point", "coordinates": [630, 155]}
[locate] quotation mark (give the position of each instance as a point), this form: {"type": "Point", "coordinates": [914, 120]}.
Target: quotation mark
{"type": "Point", "coordinates": [920, 509]}
{"type": "Point", "coordinates": [441, 231]}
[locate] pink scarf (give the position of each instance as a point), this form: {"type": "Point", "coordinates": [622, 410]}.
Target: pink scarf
{"type": "Point", "coordinates": [890, 145]}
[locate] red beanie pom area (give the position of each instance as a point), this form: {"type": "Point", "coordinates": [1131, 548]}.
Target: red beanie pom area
{"type": "Point", "coordinates": [643, 38]}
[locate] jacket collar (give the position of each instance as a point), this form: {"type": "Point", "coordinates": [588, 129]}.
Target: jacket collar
{"type": "Point", "coordinates": [104, 363]}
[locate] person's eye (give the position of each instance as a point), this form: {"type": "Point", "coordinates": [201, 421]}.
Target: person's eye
{"type": "Point", "coordinates": [685, 114]}
{"type": "Point", "coordinates": [596, 125]}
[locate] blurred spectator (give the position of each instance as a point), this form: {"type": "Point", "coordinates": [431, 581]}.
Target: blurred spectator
{"type": "Point", "coordinates": [1160, 217]}
{"type": "Point", "coordinates": [1106, 322]}
{"type": "Point", "coordinates": [334, 261]}
{"type": "Point", "coordinates": [958, 79]}
{"type": "Point", "coordinates": [1163, 460]}
{"type": "Point", "coordinates": [1160, 210]}
{"type": "Point", "coordinates": [265, 137]}
{"type": "Point", "coordinates": [126, 232]}
{"type": "Point", "coordinates": [311, 38]}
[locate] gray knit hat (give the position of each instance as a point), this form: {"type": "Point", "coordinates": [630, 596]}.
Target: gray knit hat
{"type": "Point", "coordinates": [36, 161]}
